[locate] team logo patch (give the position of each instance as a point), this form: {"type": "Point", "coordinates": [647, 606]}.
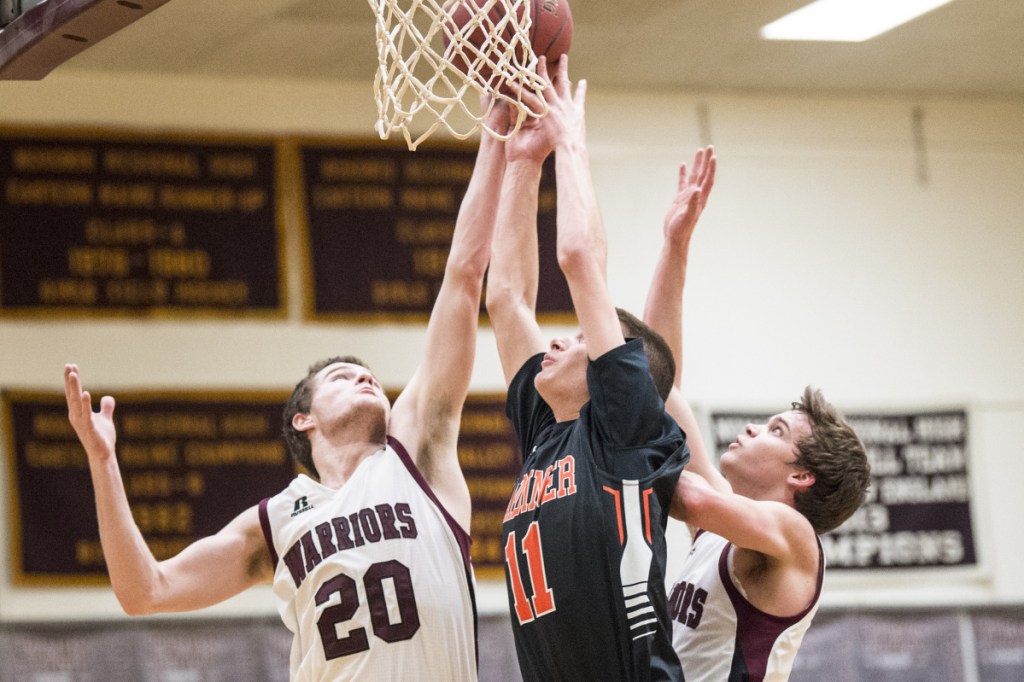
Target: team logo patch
{"type": "Point", "coordinates": [301, 505]}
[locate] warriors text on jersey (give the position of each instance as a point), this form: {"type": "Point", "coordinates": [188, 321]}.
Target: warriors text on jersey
{"type": "Point", "coordinates": [718, 634]}
{"type": "Point", "coordinates": [373, 579]}
{"type": "Point", "coordinates": [584, 529]}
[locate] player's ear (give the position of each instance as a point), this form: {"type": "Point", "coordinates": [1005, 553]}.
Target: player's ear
{"type": "Point", "coordinates": [302, 421]}
{"type": "Point", "coordinates": [801, 479]}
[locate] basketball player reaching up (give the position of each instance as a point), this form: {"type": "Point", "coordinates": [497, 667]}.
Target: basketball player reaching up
{"type": "Point", "coordinates": [370, 563]}
{"type": "Point", "coordinates": [584, 529]}
{"type": "Point", "coordinates": [753, 579]}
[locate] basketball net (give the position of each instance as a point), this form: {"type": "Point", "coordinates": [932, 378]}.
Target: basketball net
{"type": "Point", "coordinates": [418, 83]}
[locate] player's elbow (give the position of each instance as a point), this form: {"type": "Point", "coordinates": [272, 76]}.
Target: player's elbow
{"type": "Point", "coordinates": [135, 604]}
{"type": "Point", "coordinates": [576, 258]}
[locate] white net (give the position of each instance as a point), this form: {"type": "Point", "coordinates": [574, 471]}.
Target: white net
{"type": "Point", "coordinates": [438, 58]}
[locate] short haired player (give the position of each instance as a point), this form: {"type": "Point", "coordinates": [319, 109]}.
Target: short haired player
{"type": "Point", "coordinates": [370, 563]}
{"type": "Point", "coordinates": [753, 579]}
{"type": "Point", "coordinates": [584, 530]}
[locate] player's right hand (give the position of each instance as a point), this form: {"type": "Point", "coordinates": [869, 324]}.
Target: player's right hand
{"type": "Point", "coordinates": [94, 429]}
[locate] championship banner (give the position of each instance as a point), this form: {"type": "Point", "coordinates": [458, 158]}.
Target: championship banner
{"type": "Point", "coordinates": [119, 224]}
{"type": "Point", "coordinates": [191, 462]}
{"type": "Point", "coordinates": [380, 223]}
{"type": "Point", "coordinates": [918, 509]}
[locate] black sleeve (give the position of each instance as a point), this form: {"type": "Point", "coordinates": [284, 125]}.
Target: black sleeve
{"type": "Point", "coordinates": [525, 408]}
{"type": "Point", "coordinates": [624, 401]}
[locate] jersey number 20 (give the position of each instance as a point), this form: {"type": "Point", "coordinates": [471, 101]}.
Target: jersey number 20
{"type": "Point", "coordinates": [543, 600]}
{"type": "Point", "coordinates": [376, 599]}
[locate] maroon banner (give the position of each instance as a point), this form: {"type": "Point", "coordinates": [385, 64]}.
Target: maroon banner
{"type": "Point", "coordinates": [380, 225]}
{"type": "Point", "coordinates": [489, 455]}
{"type": "Point", "coordinates": [190, 463]}
{"type": "Point", "coordinates": [918, 509]}
{"type": "Point", "coordinates": [130, 225]}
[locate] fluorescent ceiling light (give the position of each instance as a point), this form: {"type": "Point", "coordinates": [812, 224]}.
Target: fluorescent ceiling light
{"type": "Point", "coordinates": [846, 20]}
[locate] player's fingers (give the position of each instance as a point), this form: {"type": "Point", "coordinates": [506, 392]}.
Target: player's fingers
{"type": "Point", "coordinates": [107, 406]}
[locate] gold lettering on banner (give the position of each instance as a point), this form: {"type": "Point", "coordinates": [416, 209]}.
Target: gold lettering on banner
{"type": "Point", "coordinates": [227, 293]}
{"type": "Point", "coordinates": [231, 453]}
{"type": "Point", "coordinates": [171, 263]}
{"type": "Point", "coordinates": [52, 425]}
{"type": "Point", "coordinates": [67, 292]}
{"type": "Point", "coordinates": [140, 162]}
{"type": "Point", "coordinates": [424, 232]}
{"type": "Point", "coordinates": [385, 293]}
{"type": "Point", "coordinates": [429, 262]}
{"type": "Point", "coordinates": [53, 160]}
{"type": "Point", "coordinates": [152, 454]}
{"type": "Point", "coordinates": [48, 192]}
{"type": "Point", "coordinates": [360, 198]}
{"type": "Point", "coordinates": [547, 200]}
{"type": "Point", "coordinates": [69, 455]}
{"type": "Point", "coordinates": [134, 292]}
{"type": "Point", "coordinates": [361, 170]}
{"type": "Point", "coordinates": [127, 195]}
{"type": "Point", "coordinates": [98, 261]}
{"type": "Point", "coordinates": [491, 488]}
{"type": "Point", "coordinates": [163, 517]}
{"type": "Point", "coordinates": [428, 199]}
{"type": "Point", "coordinates": [493, 456]}
{"type": "Point", "coordinates": [180, 424]}
{"type": "Point", "coordinates": [437, 170]}
{"type": "Point", "coordinates": [89, 553]}
{"type": "Point", "coordinates": [484, 423]}
{"type": "Point", "coordinates": [232, 165]}
{"type": "Point", "coordinates": [104, 232]}
{"type": "Point", "coordinates": [210, 199]}
{"type": "Point", "coordinates": [244, 424]}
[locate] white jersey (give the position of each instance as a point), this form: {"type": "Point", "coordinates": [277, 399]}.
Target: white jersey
{"type": "Point", "coordinates": [373, 579]}
{"type": "Point", "coordinates": [718, 635]}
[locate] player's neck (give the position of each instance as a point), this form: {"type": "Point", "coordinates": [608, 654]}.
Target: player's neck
{"type": "Point", "coordinates": [336, 462]}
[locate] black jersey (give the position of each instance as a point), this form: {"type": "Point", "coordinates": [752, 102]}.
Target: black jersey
{"type": "Point", "coordinates": [584, 531]}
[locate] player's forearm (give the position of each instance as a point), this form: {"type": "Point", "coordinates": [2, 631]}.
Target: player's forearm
{"type": "Point", "coordinates": [513, 278]}
{"type": "Point", "coordinates": [474, 227]}
{"type": "Point", "coordinates": [133, 569]}
{"type": "Point", "coordinates": [663, 310]}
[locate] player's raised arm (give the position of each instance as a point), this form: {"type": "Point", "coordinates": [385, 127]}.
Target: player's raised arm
{"type": "Point", "coordinates": [427, 414]}
{"type": "Point", "coordinates": [581, 238]}
{"type": "Point", "coordinates": [664, 306]}
{"type": "Point", "coordinates": [513, 277]}
{"type": "Point", "coordinates": [142, 584]}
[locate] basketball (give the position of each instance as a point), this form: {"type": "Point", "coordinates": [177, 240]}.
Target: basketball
{"type": "Point", "coordinates": [550, 30]}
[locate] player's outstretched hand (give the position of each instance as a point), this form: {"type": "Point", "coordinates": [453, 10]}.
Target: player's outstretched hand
{"type": "Point", "coordinates": [691, 196]}
{"type": "Point", "coordinates": [566, 108]}
{"type": "Point", "coordinates": [94, 429]}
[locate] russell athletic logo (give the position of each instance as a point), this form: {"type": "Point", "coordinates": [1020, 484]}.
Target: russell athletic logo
{"type": "Point", "coordinates": [301, 505]}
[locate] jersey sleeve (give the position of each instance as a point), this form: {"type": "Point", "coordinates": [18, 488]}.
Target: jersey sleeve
{"type": "Point", "coordinates": [525, 408]}
{"type": "Point", "coordinates": [629, 418]}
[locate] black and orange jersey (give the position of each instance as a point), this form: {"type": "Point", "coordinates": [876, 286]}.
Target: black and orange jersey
{"type": "Point", "coordinates": [584, 531]}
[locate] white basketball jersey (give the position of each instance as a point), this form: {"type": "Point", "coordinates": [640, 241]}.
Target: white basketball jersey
{"type": "Point", "coordinates": [718, 635]}
{"type": "Point", "coordinates": [373, 579]}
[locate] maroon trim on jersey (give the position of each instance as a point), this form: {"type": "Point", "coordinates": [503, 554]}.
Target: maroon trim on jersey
{"type": "Point", "coordinates": [268, 535]}
{"type": "Point", "coordinates": [461, 536]}
{"type": "Point", "coordinates": [757, 631]}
